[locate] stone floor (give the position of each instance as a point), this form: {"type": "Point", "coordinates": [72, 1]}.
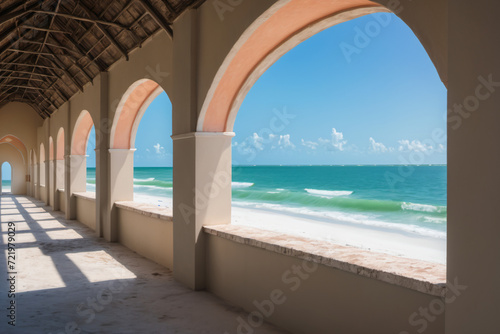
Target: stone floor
{"type": "Point", "coordinates": [69, 281]}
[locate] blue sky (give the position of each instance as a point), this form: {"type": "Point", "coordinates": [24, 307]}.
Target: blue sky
{"type": "Point", "coordinates": [320, 104]}
{"type": "Point", "coordinates": [6, 171]}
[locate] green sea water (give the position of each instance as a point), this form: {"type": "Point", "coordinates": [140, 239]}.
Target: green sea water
{"type": "Point", "coordinates": [6, 185]}
{"type": "Point", "coordinates": [409, 198]}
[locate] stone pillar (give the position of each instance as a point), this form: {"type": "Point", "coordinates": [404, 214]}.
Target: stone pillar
{"type": "Point", "coordinates": [58, 182]}
{"type": "Point", "coordinates": [202, 196]}
{"type": "Point", "coordinates": [473, 301]}
{"type": "Point", "coordinates": [121, 184]}
{"type": "Point", "coordinates": [47, 179]}
{"type": "Point", "coordinates": [37, 183]}
{"type": "Point", "coordinates": [103, 206]}
{"type": "Point", "coordinates": [70, 212]}
{"type": "Point", "coordinates": [77, 182]}
{"type": "Point", "coordinates": [51, 182]}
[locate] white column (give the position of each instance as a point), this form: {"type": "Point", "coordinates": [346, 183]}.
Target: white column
{"type": "Point", "coordinates": [58, 182]}
{"type": "Point", "coordinates": [77, 173]}
{"type": "Point", "coordinates": [473, 266]}
{"type": "Point", "coordinates": [202, 196]}
{"type": "Point", "coordinates": [47, 180]}
{"type": "Point", "coordinates": [121, 182]}
{"type": "Point", "coordinates": [51, 184]}
{"type": "Point", "coordinates": [37, 183]}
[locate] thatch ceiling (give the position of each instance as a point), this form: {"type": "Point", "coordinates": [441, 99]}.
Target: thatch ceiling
{"type": "Point", "coordinates": [49, 49]}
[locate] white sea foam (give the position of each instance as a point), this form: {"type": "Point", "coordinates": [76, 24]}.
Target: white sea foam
{"type": "Point", "coordinates": [145, 180]}
{"type": "Point", "coordinates": [353, 218]}
{"type": "Point", "coordinates": [420, 207]}
{"type": "Point", "coordinates": [138, 186]}
{"type": "Point", "coordinates": [434, 220]}
{"type": "Point", "coordinates": [328, 193]}
{"type": "Point", "coordinates": [241, 184]}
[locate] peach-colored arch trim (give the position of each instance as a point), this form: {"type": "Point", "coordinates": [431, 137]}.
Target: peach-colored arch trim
{"type": "Point", "coordinates": [81, 133]}
{"type": "Point", "coordinates": [60, 145]}
{"type": "Point", "coordinates": [17, 143]}
{"type": "Point", "coordinates": [275, 27]}
{"type": "Point", "coordinates": [135, 100]}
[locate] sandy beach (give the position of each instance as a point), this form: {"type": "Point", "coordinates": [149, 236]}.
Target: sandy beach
{"type": "Point", "coordinates": [379, 239]}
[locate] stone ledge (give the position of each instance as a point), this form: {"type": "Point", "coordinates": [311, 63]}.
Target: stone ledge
{"type": "Point", "coordinates": [145, 209]}
{"type": "Point", "coordinates": [85, 195]}
{"type": "Point", "coordinates": [424, 277]}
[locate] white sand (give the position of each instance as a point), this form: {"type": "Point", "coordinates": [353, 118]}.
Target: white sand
{"type": "Point", "coordinates": [376, 238]}
{"type": "Point", "coordinates": [379, 239]}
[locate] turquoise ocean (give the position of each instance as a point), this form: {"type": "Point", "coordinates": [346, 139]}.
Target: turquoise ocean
{"type": "Point", "coordinates": [407, 198]}
{"type": "Point", "coordinates": [6, 185]}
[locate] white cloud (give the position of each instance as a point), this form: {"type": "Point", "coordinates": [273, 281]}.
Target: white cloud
{"type": "Point", "coordinates": [310, 144]}
{"type": "Point", "coordinates": [159, 149]}
{"type": "Point", "coordinates": [414, 145]}
{"type": "Point", "coordinates": [257, 141]}
{"type": "Point", "coordinates": [336, 143]}
{"type": "Point", "coordinates": [284, 142]}
{"type": "Point", "coordinates": [377, 147]}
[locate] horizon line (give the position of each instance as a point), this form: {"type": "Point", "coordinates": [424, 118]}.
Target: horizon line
{"type": "Point", "coordinates": [339, 165]}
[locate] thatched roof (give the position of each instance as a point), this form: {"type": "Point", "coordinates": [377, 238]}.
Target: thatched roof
{"type": "Point", "coordinates": [49, 49]}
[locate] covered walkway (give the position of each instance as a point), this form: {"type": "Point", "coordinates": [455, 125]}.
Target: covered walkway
{"type": "Point", "coordinates": [68, 278]}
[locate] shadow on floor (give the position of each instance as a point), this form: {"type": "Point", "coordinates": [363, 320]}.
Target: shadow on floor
{"type": "Point", "coordinates": [69, 281]}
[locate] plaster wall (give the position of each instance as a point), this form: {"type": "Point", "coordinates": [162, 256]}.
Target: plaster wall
{"type": "Point", "coordinates": [148, 236]}
{"type": "Point", "coordinates": [85, 210]}
{"type": "Point", "coordinates": [320, 300]}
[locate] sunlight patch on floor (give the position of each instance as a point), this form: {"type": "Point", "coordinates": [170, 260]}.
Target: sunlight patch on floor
{"type": "Point", "coordinates": [20, 238]}
{"type": "Point", "coordinates": [63, 235]}
{"type": "Point", "coordinates": [99, 266]}
{"type": "Point", "coordinates": [40, 274]}
{"type": "Point", "coordinates": [12, 218]}
{"type": "Point", "coordinates": [46, 224]}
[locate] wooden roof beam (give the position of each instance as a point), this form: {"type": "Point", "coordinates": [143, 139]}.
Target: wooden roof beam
{"type": "Point", "coordinates": [21, 78]}
{"type": "Point", "coordinates": [34, 73]}
{"type": "Point", "coordinates": [56, 62]}
{"type": "Point", "coordinates": [78, 18]}
{"type": "Point", "coordinates": [45, 29]}
{"type": "Point", "coordinates": [157, 17]}
{"type": "Point", "coordinates": [27, 87]}
{"type": "Point", "coordinates": [103, 30]}
{"type": "Point", "coordinates": [83, 51]}
{"type": "Point", "coordinates": [14, 14]}
{"type": "Point", "coordinates": [75, 63]}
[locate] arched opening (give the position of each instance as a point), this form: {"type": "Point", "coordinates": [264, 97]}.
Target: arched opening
{"type": "Point", "coordinates": [333, 107]}
{"type": "Point", "coordinates": [285, 25]}
{"type": "Point", "coordinates": [17, 144]}
{"type": "Point", "coordinates": [6, 177]}
{"type": "Point", "coordinates": [145, 102]}
{"type": "Point", "coordinates": [83, 152]}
